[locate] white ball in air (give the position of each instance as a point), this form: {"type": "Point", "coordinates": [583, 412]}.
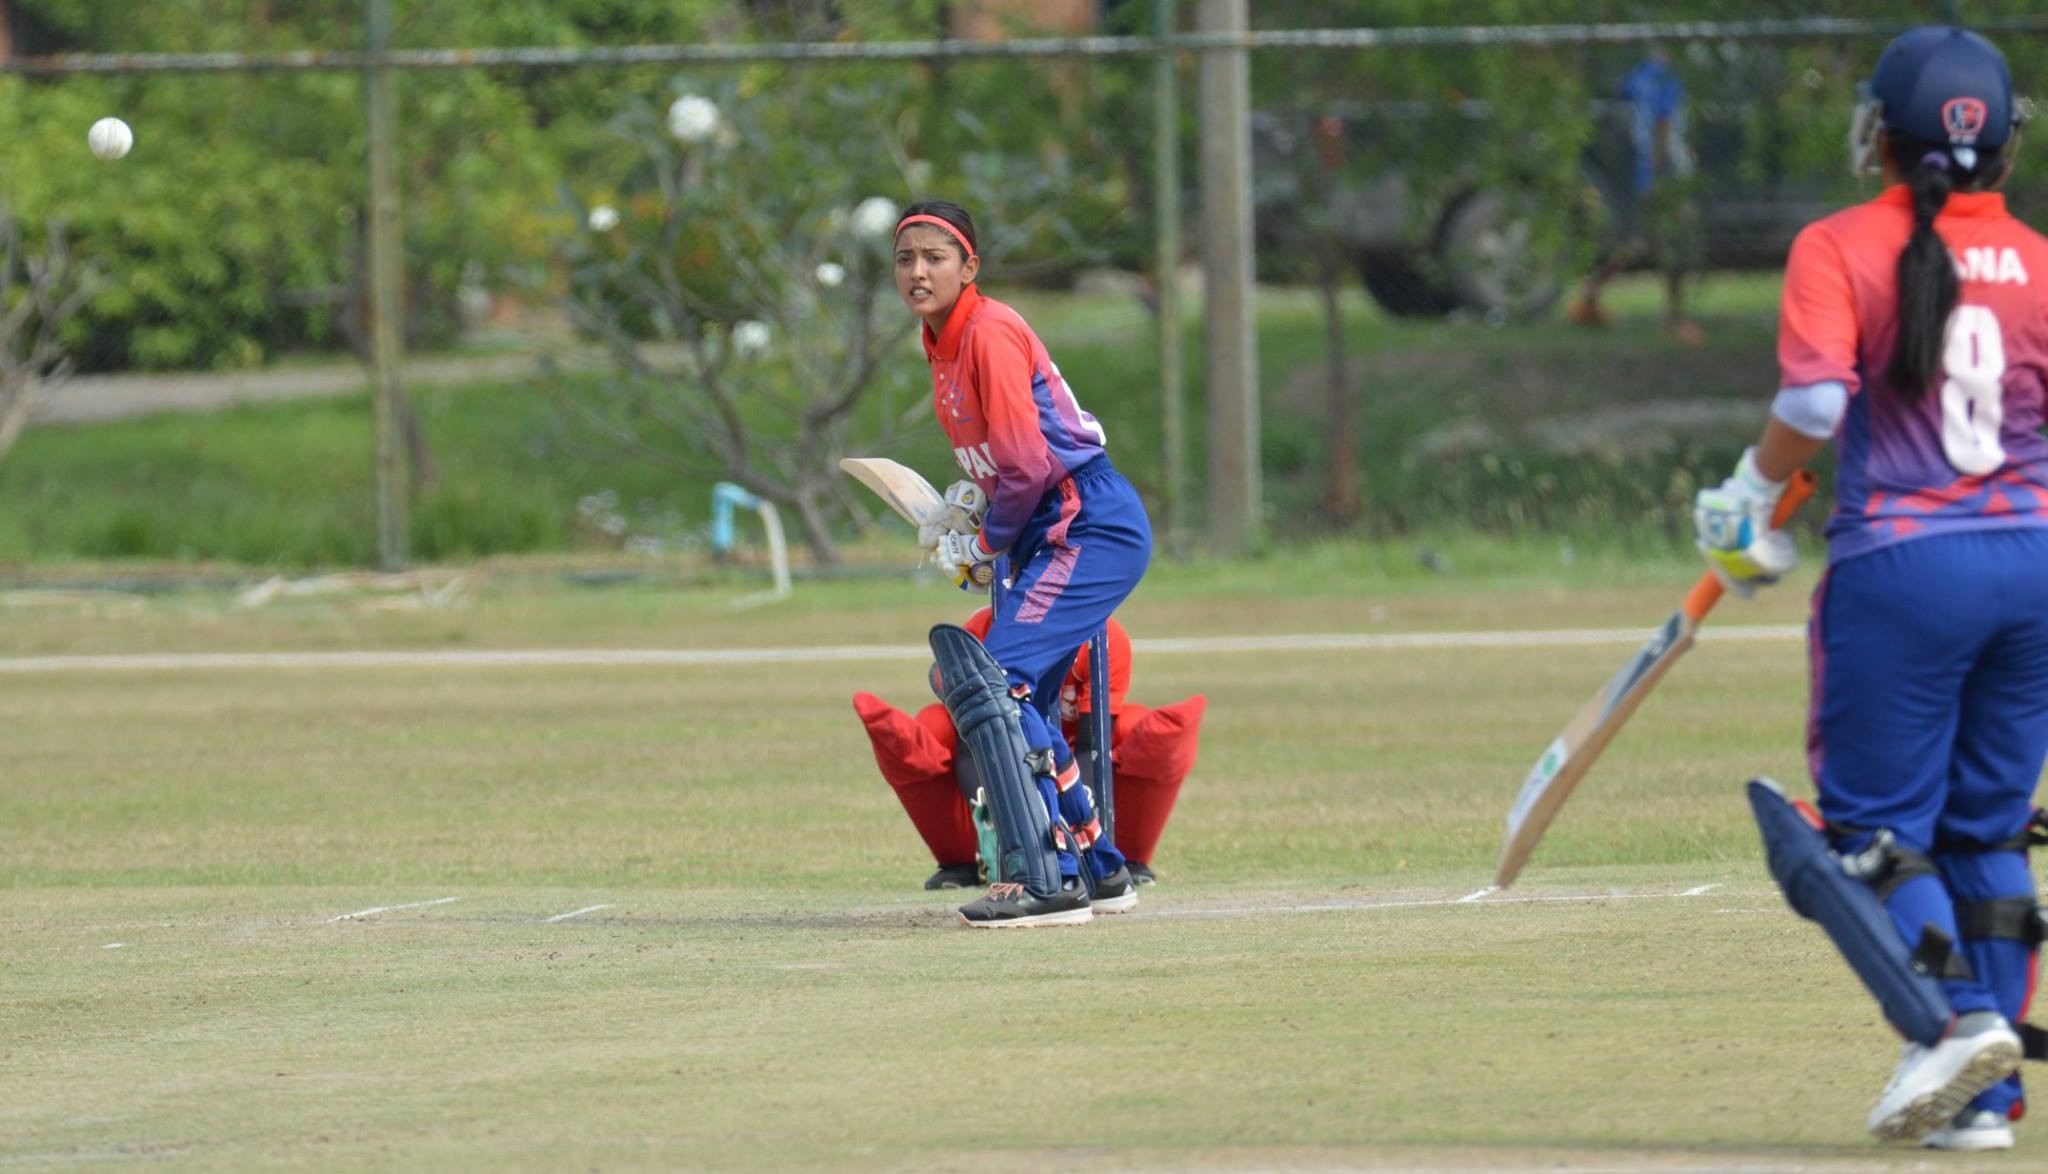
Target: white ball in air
{"type": "Point", "coordinates": [110, 138]}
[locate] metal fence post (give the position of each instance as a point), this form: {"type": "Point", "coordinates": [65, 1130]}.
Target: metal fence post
{"type": "Point", "coordinates": [387, 338]}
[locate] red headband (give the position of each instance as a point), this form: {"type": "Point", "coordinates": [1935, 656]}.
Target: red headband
{"type": "Point", "coordinates": [922, 218]}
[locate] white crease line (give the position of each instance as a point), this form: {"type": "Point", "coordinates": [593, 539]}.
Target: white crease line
{"type": "Point", "coordinates": [114, 946]}
{"type": "Point", "coordinates": [1477, 894]}
{"type": "Point", "coordinates": [1699, 889]}
{"type": "Point", "coordinates": [575, 913]}
{"type": "Point", "coordinates": [1353, 906]}
{"type": "Point", "coordinates": [389, 908]}
{"type": "Point", "coordinates": [681, 657]}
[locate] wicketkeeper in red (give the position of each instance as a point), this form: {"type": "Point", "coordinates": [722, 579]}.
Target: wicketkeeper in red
{"type": "Point", "coordinates": [1151, 752]}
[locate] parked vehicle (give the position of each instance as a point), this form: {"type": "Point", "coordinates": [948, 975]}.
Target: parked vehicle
{"type": "Point", "coordinates": [1463, 243]}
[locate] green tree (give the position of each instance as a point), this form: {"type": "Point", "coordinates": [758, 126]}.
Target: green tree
{"type": "Point", "coordinates": [750, 241]}
{"type": "Point", "coordinates": [39, 292]}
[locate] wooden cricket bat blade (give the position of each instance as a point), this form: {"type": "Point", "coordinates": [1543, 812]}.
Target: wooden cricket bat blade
{"type": "Point", "coordinates": [1570, 754]}
{"type": "Point", "coordinates": [903, 488]}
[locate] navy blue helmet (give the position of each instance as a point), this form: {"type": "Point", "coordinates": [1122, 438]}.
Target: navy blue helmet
{"type": "Point", "coordinates": [1945, 86]}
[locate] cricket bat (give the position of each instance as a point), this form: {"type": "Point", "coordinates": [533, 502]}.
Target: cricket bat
{"type": "Point", "coordinates": [905, 491]}
{"type": "Point", "coordinates": [1569, 755]}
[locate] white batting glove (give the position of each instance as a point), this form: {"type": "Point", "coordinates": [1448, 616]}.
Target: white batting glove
{"type": "Point", "coordinates": [1733, 526]}
{"type": "Point", "coordinates": [961, 510]}
{"type": "Point", "coordinates": [962, 559]}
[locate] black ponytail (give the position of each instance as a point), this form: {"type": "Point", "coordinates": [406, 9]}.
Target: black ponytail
{"type": "Point", "coordinates": [1928, 285]}
{"type": "Point", "coordinates": [1927, 279]}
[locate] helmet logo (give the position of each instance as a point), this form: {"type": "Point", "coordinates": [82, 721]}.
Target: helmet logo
{"type": "Point", "coordinates": [1964, 119]}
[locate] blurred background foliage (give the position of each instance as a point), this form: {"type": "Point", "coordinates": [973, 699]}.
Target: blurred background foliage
{"type": "Point", "coordinates": [233, 237]}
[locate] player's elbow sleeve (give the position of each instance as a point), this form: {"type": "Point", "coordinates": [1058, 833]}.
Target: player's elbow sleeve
{"type": "Point", "coordinates": [1814, 410]}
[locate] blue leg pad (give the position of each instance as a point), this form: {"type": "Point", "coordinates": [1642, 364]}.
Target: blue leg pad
{"type": "Point", "coordinates": [975, 693]}
{"type": "Point", "coordinates": [1848, 910]}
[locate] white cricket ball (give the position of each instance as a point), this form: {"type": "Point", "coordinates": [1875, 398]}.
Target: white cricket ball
{"type": "Point", "coordinates": [110, 138]}
{"type": "Point", "coordinates": [692, 119]}
{"type": "Point", "coordinates": [604, 218]}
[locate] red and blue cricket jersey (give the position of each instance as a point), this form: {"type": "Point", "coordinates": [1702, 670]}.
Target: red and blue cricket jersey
{"type": "Point", "coordinates": [1968, 453]}
{"type": "Point", "coordinates": [1014, 425]}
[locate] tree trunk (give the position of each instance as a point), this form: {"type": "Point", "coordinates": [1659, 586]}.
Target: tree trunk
{"type": "Point", "coordinates": [1340, 444]}
{"type": "Point", "coordinates": [14, 410]}
{"type": "Point", "coordinates": [810, 514]}
{"type": "Point", "coordinates": [423, 473]}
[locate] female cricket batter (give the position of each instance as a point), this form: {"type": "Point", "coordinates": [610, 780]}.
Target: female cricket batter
{"type": "Point", "coordinates": [1914, 328]}
{"type": "Point", "coordinates": [1063, 539]}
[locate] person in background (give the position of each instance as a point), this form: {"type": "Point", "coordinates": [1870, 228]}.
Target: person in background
{"type": "Point", "coordinates": [1660, 222]}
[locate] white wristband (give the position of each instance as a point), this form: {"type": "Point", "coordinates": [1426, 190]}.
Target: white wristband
{"type": "Point", "coordinates": [1753, 478]}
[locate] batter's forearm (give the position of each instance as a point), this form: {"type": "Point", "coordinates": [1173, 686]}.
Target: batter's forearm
{"type": "Point", "coordinates": [1784, 451]}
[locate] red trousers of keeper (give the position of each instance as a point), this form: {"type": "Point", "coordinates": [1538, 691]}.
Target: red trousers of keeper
{"type": "Point", "coordinates": [1151, 752]}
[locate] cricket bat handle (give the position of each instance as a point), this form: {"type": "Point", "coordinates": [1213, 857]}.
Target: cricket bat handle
{"type": "Point", "coordinates": [1708, 591]}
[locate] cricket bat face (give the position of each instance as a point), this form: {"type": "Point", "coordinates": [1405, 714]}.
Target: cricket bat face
{"type": "Point", "coordinates": [1573, 751]}
{"type": "Point", "coordinates": [910, 495]}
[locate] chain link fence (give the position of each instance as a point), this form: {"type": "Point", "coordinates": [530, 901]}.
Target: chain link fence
{"type": "Point", "coordinates": [631, 272]}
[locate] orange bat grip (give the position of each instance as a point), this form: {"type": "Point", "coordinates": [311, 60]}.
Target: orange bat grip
{"type": "Point", "coordinates": [1707, 592]}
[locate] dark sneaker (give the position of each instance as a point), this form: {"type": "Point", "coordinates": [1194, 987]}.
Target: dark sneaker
{"type": "Point", "coordinates": [1142, 872]}
{"type": "Point", "coordinates": [955, 876]}
{"type": "Point", "coordinates": [1116, 893]}
{"type": "Point", "coordinates": [1013, 905]}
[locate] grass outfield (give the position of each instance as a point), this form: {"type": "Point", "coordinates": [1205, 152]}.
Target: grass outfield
{"type": "Point", "coordinates": [667, 916]}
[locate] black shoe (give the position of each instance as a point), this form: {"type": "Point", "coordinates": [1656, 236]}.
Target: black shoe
{"type": "Point", "coordinates": [1116, 893]}
{"type": "Point", "coordinates": [1011, 904]}
{"type": "Point", "coordinates": [955, 876]}
{"type": "Point", "coordinates": [1142, 872]}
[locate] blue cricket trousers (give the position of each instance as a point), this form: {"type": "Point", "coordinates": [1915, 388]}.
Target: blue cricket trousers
{"type": "Point", "coordinates": [1930, 717]}
{"type": "Point", "coordinates": [1076, 561]}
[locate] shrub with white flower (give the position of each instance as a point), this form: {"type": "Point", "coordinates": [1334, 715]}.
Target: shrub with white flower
{"type": "Point", "coordinates": [750, 337]}
{"type": "Point", "coordinates": [747, 234]}
{"type": "Point", "coordinates": [875, 216]}
{"type": "Point", "coordinates": [692, 119]}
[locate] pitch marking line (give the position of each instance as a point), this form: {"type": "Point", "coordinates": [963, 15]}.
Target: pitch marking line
{"type": "Point", "coordinates": [1478, 894]}
{"type": "Point", "coordinates": [678, 657]}
{"type": "Point", "coordinates": [575, 913]}
{"type": "Point", "coordinates": [360, 913]}
{"type": "Point", "coordinates": [1434, 903]}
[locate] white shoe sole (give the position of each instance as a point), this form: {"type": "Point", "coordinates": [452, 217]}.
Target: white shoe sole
{"type": "Point", "coordinates": [1120, 904]}
{"type": "Point", "coordinates": [1079, 916]}
{"type": "Point", "coordinates": [1956, 1081]}
{"type": "Point", "coordinates": [1968, 1140]}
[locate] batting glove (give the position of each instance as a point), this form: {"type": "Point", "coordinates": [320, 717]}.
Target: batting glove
{"type": "Point", "coordinates": [962, 558]}
{"type": "Point", "coordinates": [961, 509]}
{"type": "Point", "coordinates": [1734, 533]}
